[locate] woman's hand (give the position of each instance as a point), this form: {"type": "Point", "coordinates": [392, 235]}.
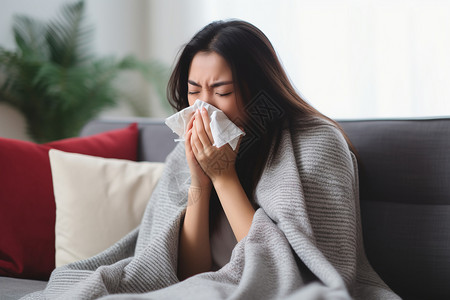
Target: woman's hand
{"type": "Point", "coordinates": [198, 177]}
{"type": "Point", "coordinates": [216, 162]}
{"type": "Point", "coordinates": [219, 165]}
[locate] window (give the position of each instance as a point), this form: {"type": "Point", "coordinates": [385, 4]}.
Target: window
{"type": "Point", "coordinates": [349, 59]}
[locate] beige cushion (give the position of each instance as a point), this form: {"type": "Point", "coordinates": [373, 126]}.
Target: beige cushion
{"type": "Point", "coordinates": [98, 201]}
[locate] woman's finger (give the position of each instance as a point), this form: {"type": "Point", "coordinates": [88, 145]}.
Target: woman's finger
{"type": "Point", "coordinates": [188, 146]}
{"type": "Point", "coordinates": [192, 143]}
{"type": "Point", "coordinates": [195, 139]}
{"type": "Point", "coordinates": [191, 121]}
{"type": "Point", "coordinates": [206, 122]}
{"type": "Point", "coordinates": [200, 127]}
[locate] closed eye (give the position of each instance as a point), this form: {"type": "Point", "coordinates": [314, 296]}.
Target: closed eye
{"type": "Point", "coordinates": [192, 93]}
{"type": "Point", "coordinates": [221, 95]}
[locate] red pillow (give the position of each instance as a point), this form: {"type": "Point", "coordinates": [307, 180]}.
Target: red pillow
{"type": "Point", "coordinates": [27, 203]}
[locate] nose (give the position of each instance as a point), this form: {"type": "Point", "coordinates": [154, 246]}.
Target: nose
{"type": "Point", "coordinates": [207, 97]}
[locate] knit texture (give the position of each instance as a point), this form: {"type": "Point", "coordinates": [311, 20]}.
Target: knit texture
{"type": "Point", "coordinates": [305, 241]}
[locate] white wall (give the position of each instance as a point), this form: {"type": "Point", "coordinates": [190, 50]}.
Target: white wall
{"type": "Point", "coordinates": [122, 28]}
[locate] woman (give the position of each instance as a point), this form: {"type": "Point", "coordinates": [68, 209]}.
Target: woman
{"type": "Point", "coordinates": [228, 65]}
{"type": "Point", "coordinates": [276, 218]}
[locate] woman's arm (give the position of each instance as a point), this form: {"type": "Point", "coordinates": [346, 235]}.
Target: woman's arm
{"type": "Point", "coordinates": [219, 165]}
{"type": "Point", "coordinates": [194, 252]}
{"type": "Point", "coordinates": [235, 203]}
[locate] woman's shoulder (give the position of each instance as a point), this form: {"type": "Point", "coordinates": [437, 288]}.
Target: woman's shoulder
{"type": "Point", "coordinates": [317, 130]}
{"type": "Point", "coordinates": [320, 144]}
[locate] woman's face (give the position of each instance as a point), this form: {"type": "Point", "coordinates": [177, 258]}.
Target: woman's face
{"type": "Point", "coordinates": [210, 79]}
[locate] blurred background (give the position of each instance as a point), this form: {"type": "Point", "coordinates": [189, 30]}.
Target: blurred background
{"type": "Point", "coordinates": [350, 59]}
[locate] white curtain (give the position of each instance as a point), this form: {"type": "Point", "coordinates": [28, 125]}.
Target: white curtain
{"type": "Point", "coordinates": [349, 59]}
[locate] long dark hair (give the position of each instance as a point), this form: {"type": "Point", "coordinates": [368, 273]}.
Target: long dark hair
{"type": "Point", "coordinates": [269, 99]}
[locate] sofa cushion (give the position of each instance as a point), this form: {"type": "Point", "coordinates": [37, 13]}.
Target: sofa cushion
{"type": "Point", "coordinates": [13, 288]}
{"type": "Point", "coordinates": [404, 171]}
{"type": "Point", "coordinates": [27, 217]}
{"type": "Point", "coordinates": [98, 201]}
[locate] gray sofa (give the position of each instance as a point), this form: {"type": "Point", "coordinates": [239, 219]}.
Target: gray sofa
{"type": "Point", "coordinates": [404, 171]}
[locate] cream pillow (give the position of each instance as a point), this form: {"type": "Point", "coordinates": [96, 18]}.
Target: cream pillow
{"type": "Point", "coordinates": [98, 201]}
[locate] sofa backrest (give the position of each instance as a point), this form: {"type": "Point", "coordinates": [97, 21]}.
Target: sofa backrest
{"type": "Point", "coordinates": [156, 140]}
{"type": "Point", "coordinates": [404, 171]}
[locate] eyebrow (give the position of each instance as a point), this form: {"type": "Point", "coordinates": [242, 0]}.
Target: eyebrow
{"type": "Point", "coordinates": [216, 84]}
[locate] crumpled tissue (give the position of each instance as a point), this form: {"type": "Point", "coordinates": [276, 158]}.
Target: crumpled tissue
{"type": "Point", "coordinates": [223, 130]}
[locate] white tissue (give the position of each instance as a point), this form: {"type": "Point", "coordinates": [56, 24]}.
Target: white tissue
{"type": "Point", "coordinates": [223, 130]}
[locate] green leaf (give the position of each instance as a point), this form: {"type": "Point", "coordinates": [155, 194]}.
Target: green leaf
{"type": "Point", "coordinates": [56, 82]}
{"type": "Point", "coordinates": [68, 38]}
{"type": "Point", "coordinates": [30, 37]}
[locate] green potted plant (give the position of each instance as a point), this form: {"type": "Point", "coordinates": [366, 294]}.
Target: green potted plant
{"type": "Point", "coordinates": [56, 82]}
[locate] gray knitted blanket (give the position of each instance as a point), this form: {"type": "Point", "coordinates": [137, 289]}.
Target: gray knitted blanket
{"type": "Point", "coordinates": [304, 242]}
